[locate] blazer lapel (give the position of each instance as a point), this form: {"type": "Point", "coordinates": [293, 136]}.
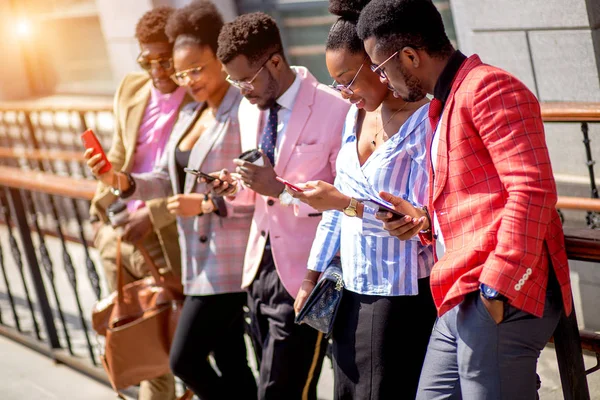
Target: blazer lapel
{"type": "Point", "coordinates": [211, 135]}
{"type": "Point", "coordinates": [185, 121]}
{"type": "Point", "coordinates": [441, 170]}
{"type": "Point", "coordinates": [135, 113]}
{"type": "Point", "coordinates": [300, 114]}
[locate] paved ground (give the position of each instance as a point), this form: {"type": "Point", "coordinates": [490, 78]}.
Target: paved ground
{"type": "Point", "coordinates": [27, 375]}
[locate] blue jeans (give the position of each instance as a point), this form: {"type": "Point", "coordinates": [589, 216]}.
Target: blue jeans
{"type": "Point", "coordinates": [470, 356]}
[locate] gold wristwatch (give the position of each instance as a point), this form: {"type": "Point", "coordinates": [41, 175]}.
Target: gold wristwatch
{"type": "Point", "coordinates": [351, 209]}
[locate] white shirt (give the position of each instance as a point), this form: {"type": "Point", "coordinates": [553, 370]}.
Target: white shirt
{"type": "Point", "coordinates": [440, 246]}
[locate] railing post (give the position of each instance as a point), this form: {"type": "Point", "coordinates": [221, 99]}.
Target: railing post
{"type": "Point", "coordinates": [567, 344]}
{"type": "Point", "coordinates": [16, 203]}
{"type": "Point", "coordinates": [593, 218]}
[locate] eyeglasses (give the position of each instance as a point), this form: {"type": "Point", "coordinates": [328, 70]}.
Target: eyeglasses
{"type": "Point", "coordinates": [188, 76]}
{"type": "Point", "coordinates": [164, 63]}
{"type": "Point", "coordinates": [379, 69]}
{"type": "Point", "coordinates": [345, 89]}
{"type": "Point", "coordinates": [247, 85]}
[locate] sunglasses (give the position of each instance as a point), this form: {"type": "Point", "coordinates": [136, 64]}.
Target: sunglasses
{"type": "Point", "coordinates": [378, 68]}
{"type": "Point", "coordinates": [164, 63]}
{"type": "Point", "coordinates": [247, 85]}
{"type": "Point", "coordinates": [345, 89]}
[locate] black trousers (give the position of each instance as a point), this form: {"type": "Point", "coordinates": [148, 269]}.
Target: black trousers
{"type": "Point", "coordinates": [213, 324]}
{"type": "Point", "coordinates": [379, 344]}
{"type": "Point", "coordinates": [290, 355]}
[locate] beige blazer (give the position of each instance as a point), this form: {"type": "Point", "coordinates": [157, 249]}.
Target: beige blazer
{"type": "Point", "coordinates": [130, 103]}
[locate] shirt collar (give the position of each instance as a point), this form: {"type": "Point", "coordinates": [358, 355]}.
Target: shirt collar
{"type": "Point", "coordinates": [288, 98]}
{"type": "Point", "coordinates": [444, 84]}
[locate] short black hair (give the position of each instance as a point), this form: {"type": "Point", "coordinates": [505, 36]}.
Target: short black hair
{"type": "Point", "coordinates": [342, 34]}
{"type": "Point", "coordinates": [400, 23]}
{"type": "Point", "coordinates": [151, 27]}
{"type": "Point", "coordinates": [197, 23]}
{"type": "Point", "coordinates": [253, 35]}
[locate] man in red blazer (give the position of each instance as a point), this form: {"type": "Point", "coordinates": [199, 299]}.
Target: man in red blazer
{"type": "Point", "coordinates": [501, 279]}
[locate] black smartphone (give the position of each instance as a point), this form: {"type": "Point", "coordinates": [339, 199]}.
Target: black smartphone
{"type": "Point", "coordinates": [383, 208]}
{"type": "Point", "coordinates": [207, 177]}
{"type": "Point", "coordinates": [253, 156]}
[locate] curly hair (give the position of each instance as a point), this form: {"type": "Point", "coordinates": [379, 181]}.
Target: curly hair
{"type": "Point", "coordinates": [253, 35]}
{"type": "Point", "coordinates": [347, 9]}
{"type": "Point", "coordinates": [400, 23]}
{"type": "Point", "coordinates": [151, 27]}
{"type": "Point", "coordinates": [342, 34]}
{"type": "Point", "coordinates": [197, 23]}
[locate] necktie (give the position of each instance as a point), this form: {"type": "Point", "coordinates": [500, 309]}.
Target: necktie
{"type": "Point", "coordinates": [268, 140]}
{"type": "Point", "coordinates": [435, 110]}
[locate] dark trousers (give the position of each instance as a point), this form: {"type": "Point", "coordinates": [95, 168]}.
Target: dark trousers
{"type": "Point", "coordinates": [472, 357]}
{"type": "Point", "coordinates": [213, 324]}
{"type": "Point", "coordinates": [379, 344]}
{"type": "Point", "coordinates": [290, 355]}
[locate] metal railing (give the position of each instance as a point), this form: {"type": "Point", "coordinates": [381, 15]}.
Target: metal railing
{"type": "Point", "coordinates": [22, 194]}
{"type": "Point", "coordinates": [584, 114]}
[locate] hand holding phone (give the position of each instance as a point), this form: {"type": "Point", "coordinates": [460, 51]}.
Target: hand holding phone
{"type": "Point", "coordinates": [253, 156]}
{"type": "Point", "coordinates": [201, 174]}
{"type": "Point", "coordinates": [382, 208]}
{"type": "Point", "coordinates": [90, 141]}
{"type": "Point", "coordinates": [288, 184]}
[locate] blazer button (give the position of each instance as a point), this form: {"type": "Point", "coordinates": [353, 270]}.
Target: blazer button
{"type": "Point", "coordinates": [203, 239]}
{"type": "Point", "coordinates": [263, 233]}
{"type": "Point", "coordinates": [270, 202]}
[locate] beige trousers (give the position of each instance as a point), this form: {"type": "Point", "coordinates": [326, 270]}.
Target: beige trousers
{"type": "Point", "coordinates": [163, 387]}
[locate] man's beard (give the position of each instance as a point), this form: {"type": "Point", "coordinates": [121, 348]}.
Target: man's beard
{"type": "Point", "coordinates": [271, 93]}
{"type": "Point", "coordinates": [413, 85]}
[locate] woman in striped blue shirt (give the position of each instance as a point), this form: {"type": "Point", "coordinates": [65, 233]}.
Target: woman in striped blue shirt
{"type": "Point", "coordinates": [386, 316]}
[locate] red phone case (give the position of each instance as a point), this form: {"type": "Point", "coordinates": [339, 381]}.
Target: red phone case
{"type": "Point", "coordinates": [90, 141]}
{"type": "Point", "coordinates": [294, 187]}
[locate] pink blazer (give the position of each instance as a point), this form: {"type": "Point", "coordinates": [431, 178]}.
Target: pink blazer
{"type": "Point", "coordinates": [308, 152]}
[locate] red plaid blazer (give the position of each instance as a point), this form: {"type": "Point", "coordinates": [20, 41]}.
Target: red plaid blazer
{"type": "Point", "coordinates": [494, 194]}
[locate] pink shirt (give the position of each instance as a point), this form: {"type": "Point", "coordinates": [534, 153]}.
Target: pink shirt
{"type": "Point", "coordinates": [155, 129]}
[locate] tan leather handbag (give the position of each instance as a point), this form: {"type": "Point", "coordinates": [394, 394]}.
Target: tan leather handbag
{"type": "Point", "coordinates": [139, 322]}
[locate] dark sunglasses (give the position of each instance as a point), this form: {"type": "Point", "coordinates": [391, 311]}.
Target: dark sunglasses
{"type": "Point", "coordinates": [164, 63]}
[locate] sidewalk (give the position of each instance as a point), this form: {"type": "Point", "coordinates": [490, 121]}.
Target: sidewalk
{"type": "Point", "coordinates": [28, 375]}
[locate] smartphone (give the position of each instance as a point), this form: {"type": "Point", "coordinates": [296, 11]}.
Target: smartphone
{"type": "Point", "coordinates": [383, 208]}
{"type": "Point", "coordinates": [201, 174]}
{"type": "Point", "coordinates": [253, 156]}
{"type": "Point", "coordinates": [288, 184]}
{"type": "Point", "coordinates": [90, 141]}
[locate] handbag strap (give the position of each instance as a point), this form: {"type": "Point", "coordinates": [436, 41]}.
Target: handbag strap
{"type": "Point", "coordinates": [167, 281]}
{"type": "Point", "coordinates": [154, 271]}
{"type": "Point", "coordinates": [120, 278]}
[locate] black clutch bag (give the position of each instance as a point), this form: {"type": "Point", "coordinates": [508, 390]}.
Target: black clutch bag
{"type": "Point", "coordinates": [322, 304]}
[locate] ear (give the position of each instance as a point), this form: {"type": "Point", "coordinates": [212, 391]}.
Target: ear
{"type": "Point", "coordinates": [410, 56]}
{"type": "Point", "coordinates": [277, 61]}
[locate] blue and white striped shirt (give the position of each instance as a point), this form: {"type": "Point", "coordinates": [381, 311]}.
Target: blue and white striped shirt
{"type": "Point", "coordinates": [373, 262]}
